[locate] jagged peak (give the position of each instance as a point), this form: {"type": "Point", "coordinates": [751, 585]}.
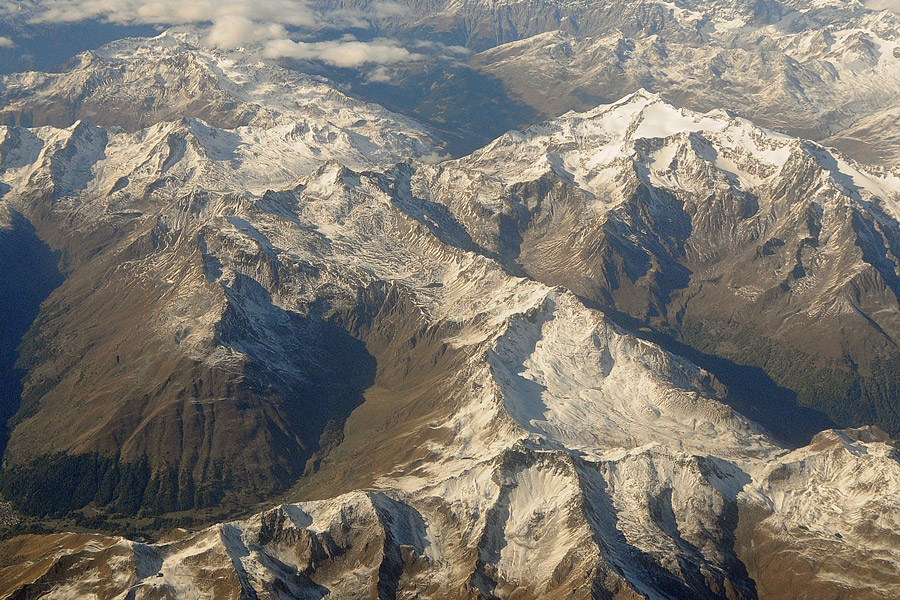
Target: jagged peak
{"type": "Point", "coordinates": [641, 131]}
{"type": "Point", "coordinates": [329, 173]}
{"type": "Point", "coordinates": [645, 129]}
{"type": "Point", "coordinates": [641, 95]}
{"type": "Point", "coordinates": [855, 440]}
{"type": "Point", "coordinates": [639, 115]}
{"type": "Point", "coordinates": [173, 39]}
{"type": "Point", "coordinates": [650, 115]}
{"type": "Point", "coordinates": [82, 127]}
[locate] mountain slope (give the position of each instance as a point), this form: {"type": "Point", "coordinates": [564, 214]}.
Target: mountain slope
{"type": "Point", "coordinates": [177, 370]}
{"type": "Point", "coordinates": [239, 314]}
{"type": "Point", "coordinates": [649, 523]}
{"type": "Point", "coordinates": [137, 83]}
{"type": "Point", "coordinates": [740, 242]}
{"type": "Point", "coordinates": [415, 356]}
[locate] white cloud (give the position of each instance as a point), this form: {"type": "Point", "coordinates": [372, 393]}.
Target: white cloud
{"type": "Point", "coordinates": [433, 158]}
{"type": "Point", "coordinates": [380, 74]}
{"type": "Point", "coordinates": [237, 23]}
{"type": "Point", "coordinates": [340, 53]}
{"type": "Point", "coordinates": [438, 49]}
{"type": "Point", "coordinates": [232, 31]}
{"type": "Point", "coordinates": [174, 12]}
{"type": "Point", "coordinates": [297, 13]}
{"type": "Point", "coordinates": [5, 42]}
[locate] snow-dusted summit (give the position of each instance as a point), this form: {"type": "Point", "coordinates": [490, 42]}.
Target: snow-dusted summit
{"type": "Point", "coordinates": [135, 84]}
{"type": "Point", "coordinates": [414, 357]}
{"type": "Point", "coordinates": [828, 71]}
{"type": "Point", "coordinates": [746, 244]}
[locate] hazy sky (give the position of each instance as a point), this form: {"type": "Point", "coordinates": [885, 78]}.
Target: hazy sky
{"type": "Point", "coordinates": [276, 26]}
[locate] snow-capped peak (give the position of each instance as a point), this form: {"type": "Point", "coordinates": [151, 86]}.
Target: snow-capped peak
{"type": "Point", "coordinates": [642, 130]}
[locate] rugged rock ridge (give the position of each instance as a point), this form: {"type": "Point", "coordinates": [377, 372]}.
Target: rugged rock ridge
{"type": "Point", "coordinates": [137, 218]}
{"type": "Point", "coordinates": [744, 243]}
{"type": "Point", "coordinates": [818, 70]}
{"type": "Point", "coordinates": [260, 300]}
{"type": "Point", "coordinates": [819, 73]}
{"type": "Point", "coordinates": [531, 523]}
{"type": "Point", "coordinates": [387, 336]}
{"type": "Point", "coordinates": [483, 24]}
{"type": "Point", "coordinates": [138, 83]}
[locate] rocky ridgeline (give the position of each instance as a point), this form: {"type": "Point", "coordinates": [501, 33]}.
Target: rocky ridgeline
{"type": "Point", "coordinates": [304, 310]}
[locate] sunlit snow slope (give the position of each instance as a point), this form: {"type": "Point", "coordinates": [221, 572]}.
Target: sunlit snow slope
{"type": "Point", "coordinates": [417, 352]}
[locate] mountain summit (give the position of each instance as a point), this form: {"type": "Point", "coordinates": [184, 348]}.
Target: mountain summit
{"type": "Point", "coordinates": [637, 351]}
{"type": "Point", "coordinates": [442, 360]}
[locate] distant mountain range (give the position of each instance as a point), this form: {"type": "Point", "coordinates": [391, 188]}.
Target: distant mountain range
{"type": "Point", "coordinates": [823, 70]}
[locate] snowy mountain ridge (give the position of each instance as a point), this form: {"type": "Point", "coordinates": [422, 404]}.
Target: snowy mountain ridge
{"type": "Point", "coordinates": [137, 83]}
{"type": "Point", "coordinates": [334, 320]}
{"type": "Point", "coordinates": [823, 71]}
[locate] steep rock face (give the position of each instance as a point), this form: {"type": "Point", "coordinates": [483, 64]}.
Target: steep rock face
{"type": "Point", "coordinates": [178, 322]}
{"type": "Point", "coordinates": [256, 310]}
{"type": "Point", "coordinates": [186, 373]}
{"type": "Point", "coordinates": [202, 330]}
{"type": "Point", "coordinates": [238, 301]}
{"type": "Point", "coordinates": [28, 273]}
{"type": "Point", "coordinates": [743, 243]}
{"type": "Point", "coordinates": [845, 502]}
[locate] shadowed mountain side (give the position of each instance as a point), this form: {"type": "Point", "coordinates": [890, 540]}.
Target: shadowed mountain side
{"type": "Point", "coordinates": [750, 391]}
{"type": "Point", "coordinates": [28, 274]}
{"type": "Point", "coordinates": [467, 108]}
{"type": "Point", "coordinates": [420, 379]}
{"type": "Point", "coordinates": [819, 71]}
{"type": "Point", "coordinates": [740, 243]}
{"type": "Point", "coordinates": [159, 427]}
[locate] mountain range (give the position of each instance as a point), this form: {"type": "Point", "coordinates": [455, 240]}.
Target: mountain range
{"type": "Point", "coordinates": [825, 70]}
{"type": "Point", "coordinates": [645, 349]}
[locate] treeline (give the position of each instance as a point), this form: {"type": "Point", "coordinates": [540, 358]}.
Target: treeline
{"type": "Point", "coordinates": [847, 397]}
{"type": "Point", "coordinates": [103, 522]}
{"type": "Point", "coordinates": [56, 485]}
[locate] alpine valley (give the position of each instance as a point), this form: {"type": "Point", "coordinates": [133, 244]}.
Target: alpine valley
{"type": "Point", "coordinates": [301, 333]}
